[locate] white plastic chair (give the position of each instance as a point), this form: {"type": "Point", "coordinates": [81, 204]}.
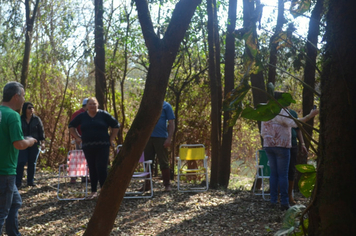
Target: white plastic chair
{"type": "Point", "coordinates": [142, 175]}
{"type": "Point", "coordinates": [192, 152]}
{"type": "Point", "coordinates": [76, 167]}
{"type": "Point", "coordinates": [262, 172]}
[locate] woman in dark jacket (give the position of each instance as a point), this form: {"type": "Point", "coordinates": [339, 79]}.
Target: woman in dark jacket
{"type": "Point", "coordinates": [31, 126]}
{"type": "Point", "coordinates": [96, 141]}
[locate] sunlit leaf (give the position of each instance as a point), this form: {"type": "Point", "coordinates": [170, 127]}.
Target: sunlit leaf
{"type": "Point", "coordinates": [306, 183]}
{"type": "Point", "coordinates": [305, 168]}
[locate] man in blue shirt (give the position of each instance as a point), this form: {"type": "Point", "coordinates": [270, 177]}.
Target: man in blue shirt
{"type": "Point", "coordinates": [158, 143]}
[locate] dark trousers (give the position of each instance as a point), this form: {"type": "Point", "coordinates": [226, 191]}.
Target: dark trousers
{"type": "Point", "coordinates": [97, 159]}
{"type": "Point", "coordinates": [292, 162]}
{"type": "Point", "coordinates": [155, 146]}
{"type": "Point", "coordinates": [29, 156]}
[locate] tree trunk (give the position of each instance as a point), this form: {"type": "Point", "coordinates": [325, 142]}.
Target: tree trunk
{"type": "Point", "coordinates": [333, 208]}
{"type": "Point", "coordinates": [257, 80]}
{"type": "Point", "coordinates": [310, 65]}
{"type": "Point", "coordinates": [216, 92]}
{"type": "Point", "coordinates": [99, 60]}
{"type": "Point", "coordinates": [274, 43]}
{"type": "Point", "coordinates": [28, 37]}
{"type": "Point", "coordinates": [225, 159]}
{"type": "Point", "coordinates": [162, 54]}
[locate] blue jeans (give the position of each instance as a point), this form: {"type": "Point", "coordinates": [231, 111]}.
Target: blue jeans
{"type": "Point", "coordinates": [29, 156]}
{"type": "Point", "coordinates": [279, 164]}
{"type": "Point", "coordinates": [10, 203]}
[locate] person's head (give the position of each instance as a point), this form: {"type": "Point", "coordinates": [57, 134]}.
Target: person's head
{"type": "Point", "coordinates": [10, 90]}
{"type": "Point", "coordinates": [92, 104]}
{"type": "Point", "coordinates": [85, 101]}
{"type": "Point", "coordinates": [14, 92]}
{"type": "Point", "coordinates": [27, 109]}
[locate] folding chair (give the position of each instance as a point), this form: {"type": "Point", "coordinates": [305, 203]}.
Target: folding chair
{"type": "Point", "coordinates": [143, 174]}
{"type": "Point", "coordinates": [192, 152]}
{"type": "Point", "coordinates": [76, 167]}
{"type": "Point", "coordinates": [262, 171]}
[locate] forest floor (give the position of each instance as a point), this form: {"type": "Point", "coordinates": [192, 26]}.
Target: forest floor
{"type": "Point", "coordinates": [215, 212]}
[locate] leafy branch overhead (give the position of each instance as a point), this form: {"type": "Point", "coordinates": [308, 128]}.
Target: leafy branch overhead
{"type": "Point", "coordinates": [234, 103]}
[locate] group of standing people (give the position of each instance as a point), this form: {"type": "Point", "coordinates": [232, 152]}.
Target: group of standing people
{"type": "Point", "coordinates": [21, 138]}
{"type": "Point", "coordinates": [89, 127]}
{"type": "Point", "coordinates": [277, 142]}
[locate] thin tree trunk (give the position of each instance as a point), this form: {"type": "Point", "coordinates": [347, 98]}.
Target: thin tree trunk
{"type": "Point", "coordinates": [310, 65]}
{"type": "Point", "coordinates": [99, 60]}
{"type": "Point", "coordinates": [225, 159]}
{"type": "Point", "coordinates": [30, 21]}
{"type": "Point", "coordinates": [257, 80]}
{"type": "Point", "coordinates": [333, 207]}
{"type": "Point", "coordinates": [309, 76]}
{"type": "Point", "coordinates": [216, 92]}
{"type": "Point", "coordinates": [162, 53]}
{"type": "Point", "coordinates": [274, 43]}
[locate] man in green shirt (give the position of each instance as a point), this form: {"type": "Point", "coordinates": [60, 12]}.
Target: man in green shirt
{"type": "Point", "coordinates": [11, 140]}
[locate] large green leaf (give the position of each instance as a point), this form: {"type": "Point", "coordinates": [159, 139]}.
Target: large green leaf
{"type": "Point", "coordinates": [306, 183]}
{"type": "Point", "coordinates": [265, 112]}
{"type": "Point", "coordinates": [290, 220]}
{"type": "Point", "coordinates": [305, 168]}
{"type": "Point", "coordinates": [262, 112]}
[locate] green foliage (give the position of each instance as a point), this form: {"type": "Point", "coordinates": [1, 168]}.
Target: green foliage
{"type": "Point", "coordinates": [307, 180]}
{"type": "Point", "coordinates": [263, 112]}
{"type": "Point", "coordinates": [291, 220]}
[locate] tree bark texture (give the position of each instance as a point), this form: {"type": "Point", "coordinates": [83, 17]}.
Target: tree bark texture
{"type": "Point", "coordinates": [225, 159]}
{"type": "Point", "coordinates": [99, 60]}
{"type": "Point", "coordinates": [257, 79]}
{"type": "Point", "coordinates": [310, 65]}
{"type": "Point", "coordinates": [162, 54]}
{"type": "Point", "coordinates": [309, 76]}
{"type": "Point", "coordinates": [273, 44]}
{"type": "Point", "coordinates": [333, 209]}
{"type": "Point", "coordinates": [216, 91]}
{"type": "Point", "coordinates": [30, 21]}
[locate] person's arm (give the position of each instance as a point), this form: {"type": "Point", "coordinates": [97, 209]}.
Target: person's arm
{"type": "Point", "coordinates": [113, 134]}
{"type": "Point", "coordinates": [301, 141]}
{"type": "Point", "coordinates": [312, 113]}
{"type": "Point", "coordinates": [74, 133]}
{"type": "Point", "coordinates": [24, 143]}
{"type": "Point", "coordinates": [41, 134]}
{"type": "Point", "coordinates": [171, 127]}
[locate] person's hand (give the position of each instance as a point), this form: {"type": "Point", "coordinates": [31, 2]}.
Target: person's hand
{"type": "Point", "coordinates": [313, 112]}
{"type": "Point", "coordinates": [167, 143]}
{"type": "Point", "coordinates": [304, 149]}
{"type": "Point", "coordinates": [78, 141]}
{"type": "Point", "coordinates": [112, 143]}
{"type": "Point", "coordinates": [43, 146]}
{"type": "Point", "coordinates": [31, 140]}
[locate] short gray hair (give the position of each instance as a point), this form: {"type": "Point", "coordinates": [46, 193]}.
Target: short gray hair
{"type": "Point", "coordinates": [10, 89]}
